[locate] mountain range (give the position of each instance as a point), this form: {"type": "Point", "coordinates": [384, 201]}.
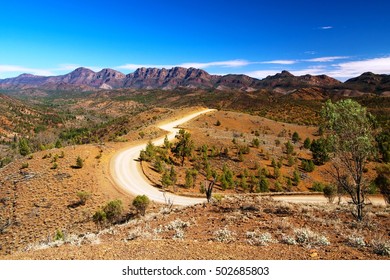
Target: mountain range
{"type": "Point", "coordinates": [179, 77]}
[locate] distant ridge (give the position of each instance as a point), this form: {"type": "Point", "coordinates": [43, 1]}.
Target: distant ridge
{"type": "Point", "coordinates": [179, 77]}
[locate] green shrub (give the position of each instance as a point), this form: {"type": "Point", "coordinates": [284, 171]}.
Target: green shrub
{"type": "Point", "coordinates": [295, 137]}
{"type": "Point", "coordinates": [141, 203]}
{"type": "Point", "coordinates": [330, 192]}
{"type": "Point", "coordinates": [79, 162]}
{"type": "Point", "coordinates": [24, 165]}
{"type": "Point", "coordinates": [100, 217]}
{"type": "Point", "coordinates": [24, 148]}
{"type": "Point", "coordinates": [83, 197]}
{"type": "Point", "coordinates": [113, 210]}
{"type": "Point", "coordinates": [59, 235]}
{"type": "Point", "coordinates": [256, 142]}
{"type": "Point", "coordinates": [307, 143]}
{"type": "Point", "coordinates": [263, 185]}
{"type": "Point", "coordinates": [317, 187]}
{"type": "Point", "coordinates": [308, 165]}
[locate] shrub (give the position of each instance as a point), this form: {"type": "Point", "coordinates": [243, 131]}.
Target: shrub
{"type": "Point", "coordinates": [289, 148]}
{"type": "Point", "coordinates": [141, 203]}
{"type": "Point", "coordinates": [113, 210]}
{"type": "Point", "coordinates": [256, 142]}
{"type": "Point", "coordinates": [158, 165]}
{"type": "Point", "coordinates": [307, 237]}
{"type": "Point", "coordinates": [330, 192]}
{"type": "Point", "coordinates": [224, 235]}
{"type": "Point", "coordinates": [54, 166]}
{"type": "Point", "coordinates": [307, 143]}
{"type": "Point", "coordinates": [100, 217]}
{"type": "Point", "coordinates": [295, 137]}
{"type": "Point", "coordinates": [259, 239]}
{"type": "Point", "coordinates": [356, 241]}
{"type": "Point", "coordinates": [83, 197]}
{"type": "Point", "coordinates": [218, 123]}
{"type": "Point", "coordinates": [290, 160]}
{"type": "Point", "coordinates": [381, 247]}
{"type": "Point", "coordinates": [317, 187]}
{"type": "Point", "coordinates": [263, 185]}
{"type": "Point", "coordinates": [289, 240]}
{"type": "Point", "coordinates": [59, 235]}
{"type": "Point", "coordinates": [308, 165]}
{"type": "Point", "coordinates": [79, 162]}
{"type": "Point", "coordinates": [58, 144]}
{"type": "Point", "coordinates": [24, 165]}
{"type": "Point", "coordinates": [296, 178]}
{"type": "Point", "coordinates": [218, 198]}
{"type": "Point", "coordinates": [24, 148]}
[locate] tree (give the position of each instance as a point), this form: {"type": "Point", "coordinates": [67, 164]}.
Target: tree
{"type": "Point", "coordinates": [307, 143]}
{"type": "Point", "coordinates": [167, 144]}
{"type": "Point", "coordinates": [24, 148]}
{"type": "Point", "coordinates": [263, 185]}
{"type": "Point", "coordinates": [320, 151]}
{"type": "Point", "coordinates": [166, 179]}
{"type": "Point", "coordinates": [308, 165]}
{"type": "Point", "coordinates": [289, 148]}
{"type": "Point", "coordinates": [295, 137]}
{"type": "Point", "coordinates": [296, 178]}
{"type": "Point", "coordinates": [141, 203]}
{"type": "Point", "coordinates": [351, 131]}
{"type": "Point", "coordinates": [184, 145]}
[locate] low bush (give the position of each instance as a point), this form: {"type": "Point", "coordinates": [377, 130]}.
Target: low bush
{"type": "Point", "coordinates": [141, 203]}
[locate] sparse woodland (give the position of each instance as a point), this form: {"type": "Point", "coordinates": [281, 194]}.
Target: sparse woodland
{"type": "Point", "coordinates": [234, 157]}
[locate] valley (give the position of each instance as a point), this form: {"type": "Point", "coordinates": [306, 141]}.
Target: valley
{"type": "Point", "coordinates": [63, 142]}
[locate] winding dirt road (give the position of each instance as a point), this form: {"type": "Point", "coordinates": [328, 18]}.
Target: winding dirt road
{"type": "Point", "coordinates": [127, 173]}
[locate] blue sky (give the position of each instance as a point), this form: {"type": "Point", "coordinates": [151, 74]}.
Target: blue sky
{"type": "Point", "coordinates": [258, 38]}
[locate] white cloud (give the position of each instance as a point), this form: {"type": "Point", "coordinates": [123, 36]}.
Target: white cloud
{"type": "Point", "coordinates": [228, 63]}
{"type": "Point", "coordinates": [326, 58]}
{"type": "Point", "coordinates": [326, 27]}
{"type": "Point", "coordinates": [21, 69]}
{"type": "Point", "coordinates": [355, 68]}
{"type": "Point", "coordinates": [261, 74]}
{"type": "Point", "coordinates": [203, 65]}
{"type": "Point", "coordinates": [283, 62]}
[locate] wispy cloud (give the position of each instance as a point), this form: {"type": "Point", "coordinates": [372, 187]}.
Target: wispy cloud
{"type": "Point", "coordinates": [326, 58]}
{"type": "Point", "coordinates": [349, 69]}
{"type": "Point", "coordinates": [326, 27]}
{"type": "Point", "coordinates": [21, 69]}
{"type": "Point", "coordinates": [227, 63]}
{"type": "Point", "coordinates": [203, 65]}
{"type": "Point", "coordinates": [283, 62]}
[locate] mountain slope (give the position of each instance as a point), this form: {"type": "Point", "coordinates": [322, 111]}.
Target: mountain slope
{"type": "Point", "coordinates": [179, 77]}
